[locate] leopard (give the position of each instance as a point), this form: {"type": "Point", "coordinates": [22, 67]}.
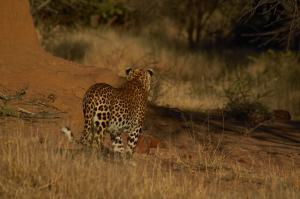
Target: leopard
{"type": "Point", "coordinates": [111, 110]}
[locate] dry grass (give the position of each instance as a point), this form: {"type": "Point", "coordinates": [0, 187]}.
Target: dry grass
{"type": "Point", "coordinates": [187, 80]}
{"type": "Point", "coordinates": [35, 162]}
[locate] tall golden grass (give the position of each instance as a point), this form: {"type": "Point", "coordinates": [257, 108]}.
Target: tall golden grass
{"type": "Point", "coordinates": [35, 162]}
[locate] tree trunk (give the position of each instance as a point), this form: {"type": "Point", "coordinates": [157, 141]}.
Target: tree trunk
{"type": "Point", "coordinates": [190, 24]}
{"type": "Point", "coordinates": [190, 33]}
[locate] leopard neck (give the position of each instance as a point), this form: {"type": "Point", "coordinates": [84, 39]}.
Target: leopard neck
{"type": "Point", "coordinates": [135, 86]}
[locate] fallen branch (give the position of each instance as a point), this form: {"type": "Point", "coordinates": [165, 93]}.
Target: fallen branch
{"type": "Point", "coordinates": [19, 94]}
{"type": "Point", "coordinates": [249, 131]}
{"type": "Point", "coordinates": [25, 111]}
{"type": "Point", "coordinates": [8, 112]}
{"type": "Point", "coordinates": [40, 109]}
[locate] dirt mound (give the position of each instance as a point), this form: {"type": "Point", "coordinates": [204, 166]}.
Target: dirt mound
{"type": "Point", "coordinates": [23, 63]}
{"type": "Point", "coordinates": [17, 30]}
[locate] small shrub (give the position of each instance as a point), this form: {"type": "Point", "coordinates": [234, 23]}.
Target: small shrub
{"type": "Point", "coordinates": [71, 50]}
{"type": "Point", "coordinates": [243, 105]}
{"type": "Point", "coordinates": [68, 47]}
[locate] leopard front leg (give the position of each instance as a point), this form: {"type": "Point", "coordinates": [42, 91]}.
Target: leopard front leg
{"type": "Point", "coordinates": [117, 143]}
{"type": "Point", "coordinates": [132, 140]}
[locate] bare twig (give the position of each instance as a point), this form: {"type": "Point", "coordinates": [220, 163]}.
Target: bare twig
{"type": "Point", "coordinates": [25, 111]}
{"type": "Point", "coordinates": [19, 112]}
{"type": "Point", "coordinates": [19, 94]}
{"type": "Point", "coordinates": [248, 131]}
{"type": "Point", "coordinates": [42, 5]}
{"type": "Point", "coordinates": [57, 177]}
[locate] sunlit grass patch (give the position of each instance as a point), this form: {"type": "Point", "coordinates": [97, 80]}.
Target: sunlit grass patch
{"type": "Point", "coordinates": [35, 162]}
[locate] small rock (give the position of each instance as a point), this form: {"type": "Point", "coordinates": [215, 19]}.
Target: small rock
{"type": "Point", "coordinates": [146, 143]}
{"type": "Point", "coordinates": [154, 142]}
{"type": "Point", "coordinates": [280, 114]}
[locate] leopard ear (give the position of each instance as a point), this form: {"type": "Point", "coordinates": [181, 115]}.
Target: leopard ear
{"type": "Point", "coordinates": [150, 71]}
{"type": "Point", "coordinates": [128, 70]}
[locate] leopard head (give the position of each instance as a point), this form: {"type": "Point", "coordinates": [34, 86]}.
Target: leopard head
{"type": "Point", "coordinates": [142, 75]}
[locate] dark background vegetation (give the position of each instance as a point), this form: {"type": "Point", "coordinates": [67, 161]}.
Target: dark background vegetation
{"type": "Point", "coordinates": [257, 24]}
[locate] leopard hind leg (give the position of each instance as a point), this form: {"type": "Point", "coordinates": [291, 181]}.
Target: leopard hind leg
{"type": "Point", "coordinates": [100, 124]}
